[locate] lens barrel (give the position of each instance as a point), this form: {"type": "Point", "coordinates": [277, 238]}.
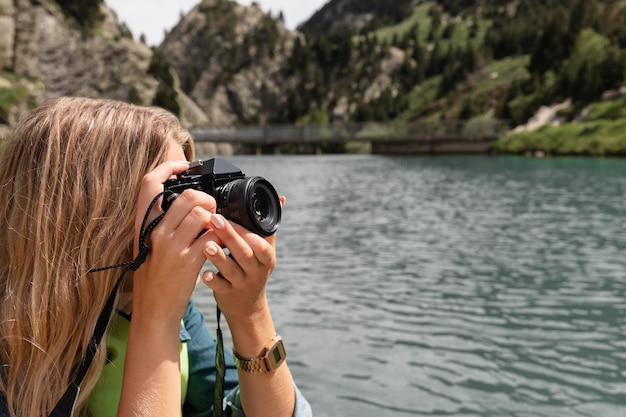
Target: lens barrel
{"type": "Point", "coordinates": [252, 202]}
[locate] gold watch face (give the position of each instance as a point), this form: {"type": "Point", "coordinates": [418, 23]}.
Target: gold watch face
{"type": "Point", "coordinates": [275, 356]}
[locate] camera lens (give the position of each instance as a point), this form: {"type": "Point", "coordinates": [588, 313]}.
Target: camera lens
{"type": "Point", "coordinates": [260, 206]}
{"type": "Point", "coordinates": [251, 202]}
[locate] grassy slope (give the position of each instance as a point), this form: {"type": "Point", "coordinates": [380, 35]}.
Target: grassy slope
{"type": "Point", "coordinates": [481, 88]}
{"type": "Point", "coordinates": [419, 16]}
{"type": "Point", "coordinates": [602, 134]}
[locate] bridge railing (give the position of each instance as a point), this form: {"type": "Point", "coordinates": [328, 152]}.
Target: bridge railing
{"type": "Point", "coordinates": [458, 129]}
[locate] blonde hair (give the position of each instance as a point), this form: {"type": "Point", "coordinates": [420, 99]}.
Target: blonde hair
{"type": "Point", "coordinates": [69, 180]}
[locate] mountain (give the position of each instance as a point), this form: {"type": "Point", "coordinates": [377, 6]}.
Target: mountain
{"type": "Point", "coordinates": [352, 61]}
{"type": "Point", "coordinates": [49, 49]}
{"type": "Point", "coordinates": [362, 15]}
{"type": "Point", "coordinates": [361, 60]}
{"type": "Point", "coordinates": [230, 59]}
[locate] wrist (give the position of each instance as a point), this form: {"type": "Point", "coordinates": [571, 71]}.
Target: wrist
{"type": "Point", "coordinates": [151, 318]}
{"type": "Point", "coordinates": [155, 338]}
{"type": "Point", "coordinates": [250, 333]}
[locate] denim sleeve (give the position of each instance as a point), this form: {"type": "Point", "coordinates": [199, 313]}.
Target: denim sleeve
{"type": "Point", "coordinates": [232, 405]}
{"type": "Point", "coordinates": [201, 349]}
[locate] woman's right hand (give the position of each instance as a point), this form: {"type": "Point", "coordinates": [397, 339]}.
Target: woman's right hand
{"type": "Point", "coordinates": [163, 285]}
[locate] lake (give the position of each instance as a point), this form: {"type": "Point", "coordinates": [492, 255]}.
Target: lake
{"type": "Point", "coordinates": [451, 285]}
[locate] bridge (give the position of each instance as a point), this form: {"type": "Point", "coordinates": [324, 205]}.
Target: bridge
{"type": "Point", "coordinates": [423, 137]}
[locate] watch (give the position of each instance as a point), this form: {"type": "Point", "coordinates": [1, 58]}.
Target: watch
{"type": "Point", "coordinates": [270, 358]}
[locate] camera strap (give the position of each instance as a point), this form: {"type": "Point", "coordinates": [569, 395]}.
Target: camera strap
{"type": "Point", "coordinates": [220, 370]}
{"type": "Point", "coordinates": [66, 405]}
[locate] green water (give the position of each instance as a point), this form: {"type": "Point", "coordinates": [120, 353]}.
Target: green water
{"type": "Point", "coordinates": [451, 286]}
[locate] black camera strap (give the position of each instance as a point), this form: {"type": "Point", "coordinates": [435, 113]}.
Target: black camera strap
{"type": "Point", "coordinates": [65, 406]}
{"type": "Point", "coordinates": [220, 370]}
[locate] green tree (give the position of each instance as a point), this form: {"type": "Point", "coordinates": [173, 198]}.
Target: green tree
{"type": "Point", "coordinates": [553, 46]}
{"type": "Point", "coordinates": [160, 68]}
{"type": "Point", "coordinates": [166, 95]}
{"type": "Point", "coordinates": [86, 12]}
{"type": "Point", "coordinates": [133, 96]}
{"type": "Point", "coordinates": [266, 35]}
{"type": "Point", "coordinates": [594, 66]}
{"type": "Point", "coordinates": [584, 14]}
{"type": "Point", "coordinates": [166, 98]}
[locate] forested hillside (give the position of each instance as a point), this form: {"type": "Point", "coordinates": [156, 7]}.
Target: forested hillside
{"type": "Point", "coordinates": [457, 58]}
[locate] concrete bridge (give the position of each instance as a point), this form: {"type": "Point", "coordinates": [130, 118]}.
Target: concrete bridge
{"type": "Point", "coordinates": [423, 137]}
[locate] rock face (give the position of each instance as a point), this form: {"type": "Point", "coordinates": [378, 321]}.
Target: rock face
{"type": "Point", "coordinates": [44, 54]}
{"type": "Point", "coordinates": [69, 62]}
{"type": "Point", "coordinates": [223, 64]}
{"type": "Point", "coordinates": [7, 33]}
{"type": "Point", "coordinates": [226, 61]}
{"type": "Point", "coordinates": [230, 59]}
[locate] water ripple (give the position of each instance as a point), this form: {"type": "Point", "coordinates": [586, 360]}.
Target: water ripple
{"type": "Point", "coordinates": [452, 286]}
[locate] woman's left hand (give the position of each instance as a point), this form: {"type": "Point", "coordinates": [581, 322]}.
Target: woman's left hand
{"type": "Point", "coordinates": [239, 287]}
{"type": "Point", "coordinates": [239, 290]}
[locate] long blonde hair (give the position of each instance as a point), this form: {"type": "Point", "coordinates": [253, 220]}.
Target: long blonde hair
{"type": "Point", "coordinates": [69, 180]}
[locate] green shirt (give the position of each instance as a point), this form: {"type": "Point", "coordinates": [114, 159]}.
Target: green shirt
{"type": "Point", "coordinates": [197, 361]}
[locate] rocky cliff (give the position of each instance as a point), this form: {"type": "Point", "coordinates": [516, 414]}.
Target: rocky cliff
{"type": "Point", "coordinates": [44, 53]}
{"type": "Point", "coordinates": [231, 61]}
{"type": "Point", "coordinates": [222, 64]}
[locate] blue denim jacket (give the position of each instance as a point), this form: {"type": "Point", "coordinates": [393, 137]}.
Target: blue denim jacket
{"type": "Point", "coordinates": [201, 347]}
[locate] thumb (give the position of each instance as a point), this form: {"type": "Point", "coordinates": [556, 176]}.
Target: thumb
{"type": "Point", "coordinates": [151, 186]}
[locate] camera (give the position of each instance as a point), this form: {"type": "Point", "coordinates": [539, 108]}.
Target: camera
{"type": "Point", "coordinates": [250, 201]}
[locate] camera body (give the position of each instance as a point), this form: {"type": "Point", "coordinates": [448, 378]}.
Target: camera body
{"type": "Point", "coordinates": [250, 201]}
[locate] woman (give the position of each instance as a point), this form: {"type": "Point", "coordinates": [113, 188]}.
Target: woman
{"type": "Point", "coordinates": [77, 177]}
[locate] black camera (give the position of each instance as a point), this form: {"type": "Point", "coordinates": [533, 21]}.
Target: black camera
{"type": "Point", "coordinates": [250, 201]}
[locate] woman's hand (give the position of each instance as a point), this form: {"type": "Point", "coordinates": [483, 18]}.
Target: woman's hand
{"type": "Point", "coordinates": [165, 282]}
{"type": "Point", "coordinates": [239, 290]}
{"type": "Point", "coordinates": [239, 287]}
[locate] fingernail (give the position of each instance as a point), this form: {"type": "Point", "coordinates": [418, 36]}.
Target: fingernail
{"type": "Point", "coordinates": [212, 249]}
{"type": "Point", "coordinates": [218, 221]}
{"type": "Point", "coordinates": [209, 276]}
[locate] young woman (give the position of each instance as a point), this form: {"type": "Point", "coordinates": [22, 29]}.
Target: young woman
{"type": "Point", "coordinates": [77, 177]}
